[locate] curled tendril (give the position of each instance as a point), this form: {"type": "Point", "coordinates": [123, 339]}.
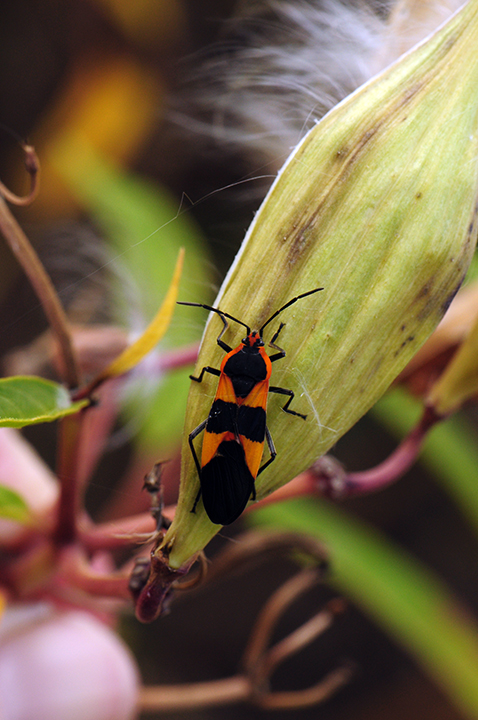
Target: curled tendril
{"type": "Point", "coordinates": [32, 165]}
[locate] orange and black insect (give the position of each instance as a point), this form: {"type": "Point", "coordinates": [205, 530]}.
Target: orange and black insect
{"type": "Point", "coordinates": [235, 430]}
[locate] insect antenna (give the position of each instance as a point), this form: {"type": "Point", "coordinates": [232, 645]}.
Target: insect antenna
{"type": "Point", "coordinates": [219, 312]}
{"type": "Point", "coordinates": [288, 304]}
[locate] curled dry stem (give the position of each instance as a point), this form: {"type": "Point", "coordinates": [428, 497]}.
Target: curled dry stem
{"type": "Point", "coordinates": [254, 546]}
{"type": "Point", "coordinates": [318, 693]}
{"type": "Point", "coordinates": [32, 165]}
{"type": "Point", "coordinates": [270, 614]}
{"type": "Point", "coordinates": [38, 277]}
{"type": "Point", "coordinates": [260, 660]}
{"type": "Point", "coordinates": [198, 577]}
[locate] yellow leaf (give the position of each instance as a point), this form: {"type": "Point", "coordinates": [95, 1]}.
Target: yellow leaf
{"type": "Point", "coordinates": [109, 105]}
{"type": "Point", "coordinates": [153, 333]}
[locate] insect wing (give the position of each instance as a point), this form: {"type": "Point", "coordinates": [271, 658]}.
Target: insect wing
{"type": "Point", "coordinates": [226, 483]}
{"type": "Point", "coordinates": [221, 423]}
{"type": "Point", "coordinates": [251, 426]}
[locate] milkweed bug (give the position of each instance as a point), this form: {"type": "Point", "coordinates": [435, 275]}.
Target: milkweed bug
{"type": "Point", "coordinates": [235, 430]}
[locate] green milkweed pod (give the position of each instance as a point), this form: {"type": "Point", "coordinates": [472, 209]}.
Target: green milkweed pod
{"type": "Point", "coordinates": [377, 205]}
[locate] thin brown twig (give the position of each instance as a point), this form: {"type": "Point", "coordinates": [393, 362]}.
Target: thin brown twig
{"type": "Point", "coordinates": [259, 662]}
{"type": "Point", "coordinates": [270, 614]}
{"type": "Point", "coordinates": [255, 545]}
{"type": "Point", "coordinates": [237, 689]}
{"type": "Point", "coordinates": [195, 695]}
{"type": "Point", "coordinates": [42, 285]}
{"type": "Point", "coordinates": [300, 638]}
{"type": "Point", "coordinates": [318, 693]}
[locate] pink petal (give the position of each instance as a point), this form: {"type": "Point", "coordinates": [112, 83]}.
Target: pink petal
{"type": "Point", "coordinates": [69, 666]}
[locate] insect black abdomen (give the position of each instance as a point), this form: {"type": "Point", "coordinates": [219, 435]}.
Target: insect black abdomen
{"type": "Point", "coordinates": [222, 417]}
{"type": "Point", "coordinates": [251, 423]}
{"type": "Point", "coordinates": [226, 483]}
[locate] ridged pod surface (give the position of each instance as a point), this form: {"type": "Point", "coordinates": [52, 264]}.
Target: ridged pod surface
{"type": "Point", "coordinates": [377, 205]}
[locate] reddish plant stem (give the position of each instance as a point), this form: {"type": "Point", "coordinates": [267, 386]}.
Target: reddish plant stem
{"type": "Point", "coordinates": [327, 476]}
{"type": "Point", "coordinates": [78, 573]}
{"type": "Point", "coordinates": [179, 357]}
{"type": "Point", "coordinates": [69, 450]}
{"type": "Point", "coordinates": [121, 533]}
{"type": "Point", "coordinates": [98, 424]}
{"type": "Point", "coordinates": [397, 464]}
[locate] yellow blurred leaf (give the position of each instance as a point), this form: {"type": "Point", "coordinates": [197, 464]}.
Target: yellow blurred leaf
{"type": "Point", "coordinates": [153, 333]}
{"type": "Point", "coordinates": [109, 105]}
{"type": "Point", "coordinates": [147, 22]}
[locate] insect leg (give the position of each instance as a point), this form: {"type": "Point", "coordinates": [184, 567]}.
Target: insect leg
{"type": "Point", "coordinates": [290, 393]}
{"type": "Point", "coordinates": [193, 435]}
{"type": "Point", "coordinates": [208, 369]}
{"type": "Point", "coordinates": [220, 342]}
{"type": "Point", "coordinates": [272, 450]}
{"type": "Point", "coordinates": [223, 345]}
{"type": "Point", "coordinates": [223, 316]}
{"type": "Point", "coordinates": [272, 344]}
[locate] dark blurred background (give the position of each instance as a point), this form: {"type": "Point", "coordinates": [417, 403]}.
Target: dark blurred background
{"type": "Point", "coordinates": [109, 72]}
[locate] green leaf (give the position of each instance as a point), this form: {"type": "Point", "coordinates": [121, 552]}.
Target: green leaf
{"type": "Point", "coordinates": [13, 506]}
{"type": "Point", "coordinates": [32, 400]}
{"type": "Point", "coordinates": [405, 598]}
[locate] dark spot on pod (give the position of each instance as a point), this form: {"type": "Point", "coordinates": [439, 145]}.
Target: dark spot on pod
{"type": "Point", "coordinates": [446, 304]}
